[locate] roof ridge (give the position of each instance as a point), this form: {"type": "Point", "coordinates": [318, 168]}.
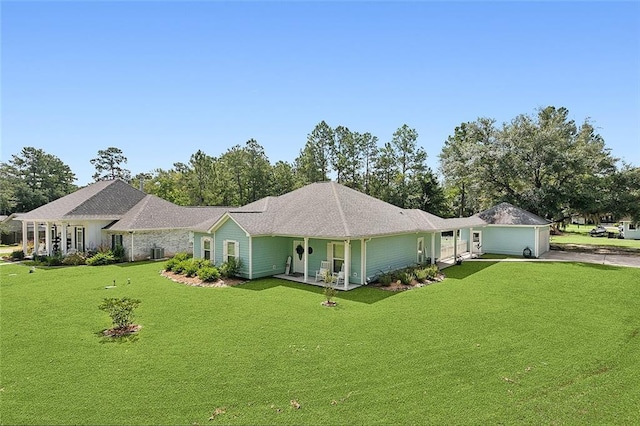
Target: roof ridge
{"type": "Point", "coordinates": [142, 203]}
{"type": "Point", "coordinates": [425, 217]}
{"type": "Point", "coordinates": [87, 200]}
{"type": "Point", "coordinates": [340, 211]}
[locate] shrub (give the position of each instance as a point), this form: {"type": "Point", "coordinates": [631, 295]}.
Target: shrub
{"type": "Point", "coordinates": [421, 274]}
{"type": "Point", "coordinates": [432, 272]}
{"type": "Point", "coordinates": [74, 259]}
{"type": "Point", "coordinates": [101, 258]}
{"type": "Point", "coordinates": [175, 260]}
{"type": "Point", "coordinates": [329, 291]}
{"type": "Point", "coordinates": [209, 273]}
{"type": "Point", "coordinates": [182, 256]}
{"type": "Point", "coordinates": [191, 268]}
{"type": "Point", "coordinates": [55, 260]}
{"type": "Point", "coordinates": [17, 255]}
{"type": "Point", "coordinates": [406, 278]}
{"type": "Point", "coordinates": [231, 268]}
{"type": "Point", "coordinates": [386, 279]}
{"type": "Point", "coordinates": [181, 266]}
{"type": "Point", "coordinates": [171, 263]}
{"type": "Point", "coordinates": [119, 254]}
{"type": "Point", "coordinates": [120, 310]}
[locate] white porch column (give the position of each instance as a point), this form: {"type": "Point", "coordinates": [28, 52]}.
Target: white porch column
{"type": "Point", "coordinates": [433, 248]}
{"type": "Point", "coordinates": [455, 244]}
{"type": "Point", "coordinates": [25, 234]}
{"type": "Point", "coordinates": [347, 263]}
{"type": "Point", "coordinates": [306, 258]}
{"type": "Point", "coordinates": [471, 240]}
{"type": "Point", "coordinates": [47, 238]}
{"type": "Point", "coordinates": [63, 239]}
{"type": "Point", "coordinates": [36, 237]}
{"type": "Point", "coordinates": [363, 266]}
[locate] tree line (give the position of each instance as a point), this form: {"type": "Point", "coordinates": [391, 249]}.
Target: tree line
{"type": "Point", "coordinates": [544, 163]}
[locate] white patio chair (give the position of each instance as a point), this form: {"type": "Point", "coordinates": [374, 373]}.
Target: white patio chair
{"type": "Point", "coordinates": [323, 271]}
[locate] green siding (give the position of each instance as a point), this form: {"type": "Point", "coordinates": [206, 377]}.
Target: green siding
{"type": "Point", "coordinates": [197, 246]}
{"type": "Point", "coordinates": [229, 230]}
{"type": "Point", "coordinates": [391, 253]}
{"type": "Point", "coordinates": [270, 255]}
{"type": "Point", "coordinates": [508, 239]}
{"type": "Point", "coordinates": [355, 267]}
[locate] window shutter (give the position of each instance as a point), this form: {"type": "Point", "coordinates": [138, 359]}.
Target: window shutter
{"type": "Point", "coordinates": [224, 251]}
{"type": "Point", "coordinates": [236, 246]}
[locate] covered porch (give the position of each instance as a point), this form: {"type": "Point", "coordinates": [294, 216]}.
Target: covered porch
{"type": "Point", "coordinates": [299, 278]}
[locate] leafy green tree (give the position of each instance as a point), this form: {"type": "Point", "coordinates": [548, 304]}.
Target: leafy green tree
{"type": "Point", "coordinates": [369, 145]}
{"type": "Point", "coordinates": [199, 178]}
{"type": "Point", "coordinates": [384, 179]}
{"type": "Point", "coordinates": [282, 178]}
{"type": "Point", "coordinates": [169, 185]}
{"type": "Point", "coordinates": [408, 164]}
{"type": "Point", "coordinates": [543, 163]}
{"type": "Point", "coordinates": [460, 167]}
{"type": "Point", "coordinates": [108, 165]}
{"type": "Point", "coordinates": [33, 178]}
{"type": "Point", "coordinates": [430, 196]}
{"type": "Point", "coordinates": [258, 169]}
{"type": "Point", "coordinates": [313, 162]}
{"type": "Point", "coordinates": [235, 161]}
{"type": "Point", "coordinates": [347, 157]}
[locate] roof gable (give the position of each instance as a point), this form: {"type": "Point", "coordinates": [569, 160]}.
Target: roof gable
{"type": "Point", "coordinates": [153, 212]}
{"type": "Point", "coordinates": [108, 199]}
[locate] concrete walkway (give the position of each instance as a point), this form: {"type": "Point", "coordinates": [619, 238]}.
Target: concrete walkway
{"type": "Point", "coordinates": [632, 261]}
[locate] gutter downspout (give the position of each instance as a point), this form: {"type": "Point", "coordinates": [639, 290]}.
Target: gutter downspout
{"type": "Point", "coordinates": [306, 259]}
{"type": "Point", "coordinates": [131, 232]}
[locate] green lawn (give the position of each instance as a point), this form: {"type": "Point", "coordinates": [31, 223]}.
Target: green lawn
{"type": "Point", "coordinates": [493, 343]}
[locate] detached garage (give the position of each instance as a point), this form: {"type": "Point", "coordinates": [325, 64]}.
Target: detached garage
{"type": "Point", "coordinates": [512, 230]}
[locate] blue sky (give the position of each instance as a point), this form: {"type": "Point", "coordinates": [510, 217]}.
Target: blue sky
{"type": "Point", "coordinates": [161, 79]}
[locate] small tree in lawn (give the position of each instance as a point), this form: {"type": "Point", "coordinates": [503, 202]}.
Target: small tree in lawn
{"type": "Point", "coordinates": [120, 311]}
{"type": "Point", "coordinates": [329, 289]}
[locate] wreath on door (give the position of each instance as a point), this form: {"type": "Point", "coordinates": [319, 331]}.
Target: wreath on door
{"type": "Point", "coordinates": [300, 251]}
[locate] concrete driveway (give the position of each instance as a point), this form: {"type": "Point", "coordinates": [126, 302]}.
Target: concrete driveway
{"type": "Point", "coordinates": [602, 259]}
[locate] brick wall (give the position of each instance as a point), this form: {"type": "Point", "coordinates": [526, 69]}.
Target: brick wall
{"type": "Point", "coordinates": [172, 241]}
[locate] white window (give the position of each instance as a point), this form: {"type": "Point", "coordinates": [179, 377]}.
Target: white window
{"type": "Point", "coordinates": [420, 258]}
{"type": "Point", "coordinates": [207, 248]}
{"type": "Point", "coordinates": [80, 239]}
{"type": "Point", "coordinates": [230, 248]}
{"type": "Point", "coordinates": [632, 226]}
{"type": "Point", "coordinates": [338, 256]}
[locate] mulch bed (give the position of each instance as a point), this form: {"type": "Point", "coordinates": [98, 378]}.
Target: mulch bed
{"type": "Point", "coordinates": [197, 282]}
{"type": "Point", "coordinates": [398, 286]}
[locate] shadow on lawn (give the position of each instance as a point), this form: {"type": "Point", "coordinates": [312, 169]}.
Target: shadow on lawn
{"type": "Point", "coordinates": [368, 295]}
{"type": "Point", "coordinates": [460, 272]}
{"type": "Point", "coordinates": [127, 338]}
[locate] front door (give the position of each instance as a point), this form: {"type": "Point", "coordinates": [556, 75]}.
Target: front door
{"type": "Point", "coordinates": [476, 242]}
{"type": "Point", "coordinates": [298, 259]}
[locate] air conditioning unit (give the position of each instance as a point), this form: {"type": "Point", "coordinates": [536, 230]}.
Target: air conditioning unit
{"type": "Point", "coordinates": [157, 253]}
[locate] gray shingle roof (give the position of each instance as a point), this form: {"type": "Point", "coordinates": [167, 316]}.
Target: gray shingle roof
{"type": "Point", "coordinates": [103, 200]}
{"type": "Point", "coordinates": [155, 213]}
{"type": "Point", "coordinates": [331, 210]}
{"type": "Point", "coordinates": [508, 214]}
